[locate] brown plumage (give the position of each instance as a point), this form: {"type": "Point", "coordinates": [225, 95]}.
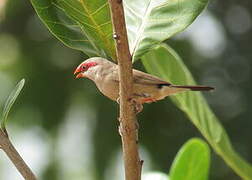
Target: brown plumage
{"type": "Point", "coordinates": [146, 88]}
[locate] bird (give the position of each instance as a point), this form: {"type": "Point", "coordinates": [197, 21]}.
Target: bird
{"type": "Point", "coordinates": [147, 88]}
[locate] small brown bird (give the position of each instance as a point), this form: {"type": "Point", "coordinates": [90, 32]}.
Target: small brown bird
{"type": "Point", "coordinates": [146, 88]}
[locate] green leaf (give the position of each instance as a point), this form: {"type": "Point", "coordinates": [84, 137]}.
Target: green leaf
{"type": "Point", "coordinates": [86, 24]}
{"type": "Point", "coordinates": [83, 25]}
{"type": "Point", "coordinates": [150, 22]}
{"type": "Point", "coordinates": [165, 63]}
{"type": "Point", "coordinates": [10, 101]}
{"type": "Point", "coordinates": [191, 162]}
{"type": "Point", "coordinates": [94, 18]}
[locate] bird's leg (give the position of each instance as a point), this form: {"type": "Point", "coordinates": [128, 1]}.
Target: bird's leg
{"type": "Point", "coordinates": [138, 107]}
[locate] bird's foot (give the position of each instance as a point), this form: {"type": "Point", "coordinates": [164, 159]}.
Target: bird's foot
{"type": "Point", "coordinates": [138, 107]}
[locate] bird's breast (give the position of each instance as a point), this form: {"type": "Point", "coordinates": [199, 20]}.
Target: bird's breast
{"type": "Point", "coordinates": [108, 87]}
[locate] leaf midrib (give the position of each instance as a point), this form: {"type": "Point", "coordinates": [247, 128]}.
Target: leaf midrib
{"type": "Point", "coordinates": [96, 26]}
{"type": "Point", "coordinates": [141, 29]}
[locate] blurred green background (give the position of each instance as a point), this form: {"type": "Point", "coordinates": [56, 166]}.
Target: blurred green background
{"type": "Point", "coordinates": [65, 129]}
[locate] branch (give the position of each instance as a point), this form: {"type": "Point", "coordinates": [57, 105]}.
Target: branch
{"type": "Point", "coordinates": [16, 159]}
{"type": "Point", "coordinates": [128, 121]}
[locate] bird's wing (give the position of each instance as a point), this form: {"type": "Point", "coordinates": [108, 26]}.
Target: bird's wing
{"type": "Point", "coordinates": [140, 77]}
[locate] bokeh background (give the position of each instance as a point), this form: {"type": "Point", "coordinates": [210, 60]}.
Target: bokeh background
{"type": "Point", "coordinates": [65, 129]}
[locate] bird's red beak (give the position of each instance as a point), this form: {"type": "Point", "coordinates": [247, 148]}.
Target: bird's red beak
{"type": "Point", "coordinates": [78, 72]}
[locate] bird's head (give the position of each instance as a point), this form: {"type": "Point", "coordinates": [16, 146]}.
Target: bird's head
{"type": "Point", "coordinates": [89, 67]}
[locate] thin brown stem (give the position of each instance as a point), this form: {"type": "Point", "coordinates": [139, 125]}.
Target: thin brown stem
{"type": "Point", "coordinates": [128, 129]}
{"type": "Point", "coordinates": [9, 149]}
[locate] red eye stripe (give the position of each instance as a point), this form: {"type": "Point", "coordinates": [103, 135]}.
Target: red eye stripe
{"type": "Point", "coordinates": [84, 67]}
{"type": "Point", "coordinates": [89, 64]}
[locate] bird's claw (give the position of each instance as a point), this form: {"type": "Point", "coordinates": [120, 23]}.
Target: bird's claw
{"type": "Point", "coordinates": [138, 107]}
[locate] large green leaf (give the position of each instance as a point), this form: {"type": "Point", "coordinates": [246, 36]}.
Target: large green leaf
{"type": "Point", "coordinates": [10, 101]}
{"type": "Point", "coordinates": [83, 25]}
{"type": "Point", "coordinates": [86, 24]}
{"type": "Point", "coordinates": [165, 63]}
{"type": "Point", "coordinates": [150, 22]}
{"type": "Point", "coordinates": [191, 162]}
{"type": "Point", "coordinates": [94, 18]}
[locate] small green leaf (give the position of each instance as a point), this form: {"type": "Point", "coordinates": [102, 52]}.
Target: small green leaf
{"type": "Point", "coordinates": [149, 22]}
{"type": "Point", "coordinates": [10, 101]}
{"type": "Point", "coordinates": [165, 63]}
{"type": "Point", "coordinates": [191, 162]}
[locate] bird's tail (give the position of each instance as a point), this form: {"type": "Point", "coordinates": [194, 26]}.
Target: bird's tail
{"type": "Point", "coordinates": [195, 88]}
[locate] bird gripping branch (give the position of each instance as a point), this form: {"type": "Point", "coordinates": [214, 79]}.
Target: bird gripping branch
{"type": "Point", "coordinates": [146, 88]}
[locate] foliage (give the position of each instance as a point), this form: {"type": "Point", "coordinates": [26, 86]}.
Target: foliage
{"type": "Point", "coordinates": [151, 22]}
{"type": "Point", "coordinates": [67, 30]}
{"type": "Point", "coordinates": [86, 25]}
{"type": "Point", "coordinates": [191, 162]}
{"type": "Point", "coordinates": [10, 101]}
{"type": "Point", "coordinates": [164, 62]}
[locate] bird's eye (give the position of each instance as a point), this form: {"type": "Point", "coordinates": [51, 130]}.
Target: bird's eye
{"type": "Point", "coordinates": [84, 67]}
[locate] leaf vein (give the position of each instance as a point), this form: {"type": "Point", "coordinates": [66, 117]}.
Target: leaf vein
{"type": "Point", "coordinates": [100, 8]}
{"type": "Point", "coordinates": [97, 27]}
{"type": "Point", "coordinates": [133, 11]}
